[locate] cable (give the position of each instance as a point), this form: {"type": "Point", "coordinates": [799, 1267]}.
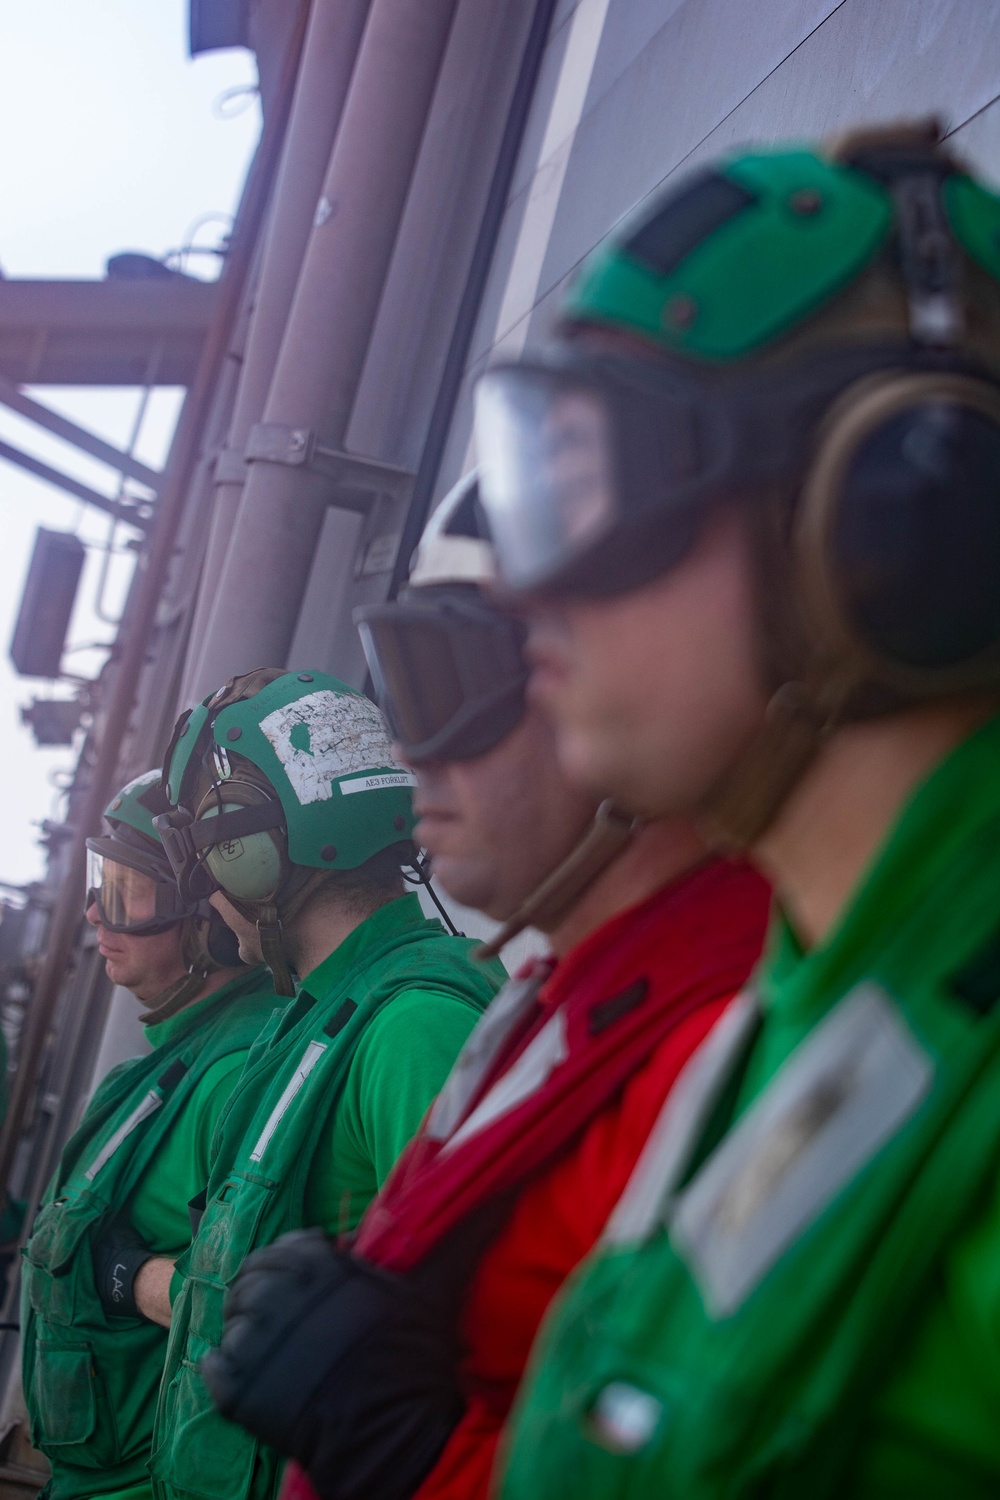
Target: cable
{"type": "Point", "coordinates": [421, 866]}
{"type": "Point", "coordinates": [472, 295]}
{"type": "Point", "coordinates": [247, 92]}
{"type": "Point", "coordinates": [188, 246]}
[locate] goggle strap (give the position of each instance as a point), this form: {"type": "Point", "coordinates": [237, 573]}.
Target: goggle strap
{"type": "Point", "coordinates": [800, 717]}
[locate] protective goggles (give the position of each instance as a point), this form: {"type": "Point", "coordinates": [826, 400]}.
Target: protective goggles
{"type": "Point", "coordinates": [141, 901]}
{"type": "Point", "coordinates": [597, 472]}
{"type": "Point", "coordinates": [448, 671]}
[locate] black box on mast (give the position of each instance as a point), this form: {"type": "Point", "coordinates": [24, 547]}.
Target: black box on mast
{"type": "Point", "coordinates": [39, 638]}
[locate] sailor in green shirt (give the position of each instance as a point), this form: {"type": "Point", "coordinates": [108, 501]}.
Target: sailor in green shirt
{"type": "Point", "coordinates": [750, 500]}
{"type": "Point", "coordinates": [292, 816]}
{"type": "Point", "coordinates": [92, 1360]}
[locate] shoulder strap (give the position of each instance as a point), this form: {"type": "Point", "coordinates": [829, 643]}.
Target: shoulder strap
{"type": "Point", "coordinates": [161, 1085]}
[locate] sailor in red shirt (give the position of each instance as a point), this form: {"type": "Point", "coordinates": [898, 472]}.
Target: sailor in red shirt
{"type": "Point", "coordinates": [393, 1382]}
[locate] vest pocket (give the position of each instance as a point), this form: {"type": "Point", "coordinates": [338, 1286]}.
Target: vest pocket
{"type": "Point", "coordinates": [228, 1232]}
{"type": "Point", "coordinates": [51, 1278]}
{"type": "Point", "coordinates": [63, 1401]}
{"type": "Point", "coordinates": [201, 1454]}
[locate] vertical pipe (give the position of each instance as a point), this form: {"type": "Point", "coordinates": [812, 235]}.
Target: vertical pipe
{"type": "Point", "coordinates": [323, 351]}
{"type": "Point", "coordinates": [472, 293]}
{"type": "Point", "coordinates": [66, 915]}
{"type": "Point", "coordinates": [331, 47]}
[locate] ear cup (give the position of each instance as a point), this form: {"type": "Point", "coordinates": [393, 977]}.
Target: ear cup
{"type": "Point", "coordinates": [899, 532]}
{"type": "Point", "coordinates": [254, 866]}
{"type": "Point", "coordinates": [249, 867]}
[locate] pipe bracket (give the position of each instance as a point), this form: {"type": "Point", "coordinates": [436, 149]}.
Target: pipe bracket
{"type": "Point", "coordinates": [357, 479]}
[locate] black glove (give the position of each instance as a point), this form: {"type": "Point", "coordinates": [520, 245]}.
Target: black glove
{"type": "Point", "coordinates": [118, 1253]}
{"type": "Point", "coordinates": [343, 1366]}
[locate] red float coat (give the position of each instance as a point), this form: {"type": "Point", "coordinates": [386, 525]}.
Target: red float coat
{"type": "Point", "coordinates": [636, 997]}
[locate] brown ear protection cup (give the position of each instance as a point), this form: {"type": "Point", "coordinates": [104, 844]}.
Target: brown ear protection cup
{"type": "Point", "coordinates": [879, 576]}
{"type": "Point", "coordinates": [897, 534]}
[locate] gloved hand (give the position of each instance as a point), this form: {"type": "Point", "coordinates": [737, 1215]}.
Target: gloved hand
{"type": "Point", "coordinates": [118, 1254]}
{"type": "Point", "coordinates": [339, 1364]}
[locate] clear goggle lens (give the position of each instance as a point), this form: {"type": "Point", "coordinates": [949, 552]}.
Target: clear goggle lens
{"type": "Point", "coordinates": [546, 471]}
{"type": "Point", "coordinates": [129, 900]}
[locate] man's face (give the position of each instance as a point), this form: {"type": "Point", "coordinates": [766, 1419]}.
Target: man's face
{"type": "Point", "coordinates": [654, 692]}
{"type": "Point", "coordinates": [495, 826]}
{"type": "Point", "coordinates": [245, 930]}
{"type": "Point", "coordinates": [146, 964]}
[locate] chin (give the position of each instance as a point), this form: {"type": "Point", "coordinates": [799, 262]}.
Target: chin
{"type": "Point", "coordinates": [586, 766]}
{"type": "Point", "coordinates": [465, 882]}
{"type": "Point", "coordinates": [600, 771]}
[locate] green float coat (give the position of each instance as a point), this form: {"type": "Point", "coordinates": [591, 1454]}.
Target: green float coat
{"type": "Point", "coordinates": [330, 1095]}
{"type": "Point", "coordinates": [861, 1357]}
{"type": "Point", "coordinates": [91, 1380]}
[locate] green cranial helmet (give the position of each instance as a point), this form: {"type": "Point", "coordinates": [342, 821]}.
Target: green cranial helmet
{"type": "Point", "coordinates": [813, 336]}
{"type": "Point", "coordinates": [277, 782]}
{"type": "Point", "coordinates": [745, 250]}
{"type": "Point", "coordinates": [132, 885]}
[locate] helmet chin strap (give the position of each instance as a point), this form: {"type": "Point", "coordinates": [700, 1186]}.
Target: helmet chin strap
{"type": "Point", "coordinates": [748, 796]}
{"type": "Point", "coordinates": [174, 998]}
{"type": "Point", "coordinates": [559, 892]}
{"type": "Point", "coordinates": [269, 920]}
{"type": "Point", "coordinates": [182, 991]}
{"type": "Point", "coordinates": [272, 948]}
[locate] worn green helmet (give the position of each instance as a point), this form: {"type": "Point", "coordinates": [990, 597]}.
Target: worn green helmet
{"type": "Point", "coordinates": [277, 782]}
{"type": "Point", "coordinates": [318, 757]}
{"type": "Point", "coordinates": [748, 248]}
{"type": "Point", "coordinates": [812, 335]}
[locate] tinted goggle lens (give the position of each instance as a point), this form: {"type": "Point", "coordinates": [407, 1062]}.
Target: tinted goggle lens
{"type": "Point", "coordinates": [451, 682]}
{"type": "Point", "coordinates": [546, 471]}
{"type": "Point", "coordinates": [129, 900]}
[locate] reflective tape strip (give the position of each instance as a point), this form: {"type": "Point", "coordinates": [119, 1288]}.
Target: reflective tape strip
{"type": "Point", "coordinates": [536, 1064]}
{"type": "Point", "coordinates": [149, 1105]}
{"type": "Point", "coordinates": [680, 1123]}
{"type": "Point", "coordinates": [504, 1013]}
{"type": "Point", "coordinates": [842, 1094]}
{"type": "Point", "coordinates": [310, 1057]}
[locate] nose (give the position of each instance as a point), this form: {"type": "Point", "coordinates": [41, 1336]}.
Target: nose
{"type": "Point", "coordinates": [91, 913]}
{"type": "Point", "coordinates": [429, 778]}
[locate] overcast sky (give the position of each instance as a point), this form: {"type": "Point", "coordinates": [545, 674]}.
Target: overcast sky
{"type": "Point", "coordinates": [112, 140]}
